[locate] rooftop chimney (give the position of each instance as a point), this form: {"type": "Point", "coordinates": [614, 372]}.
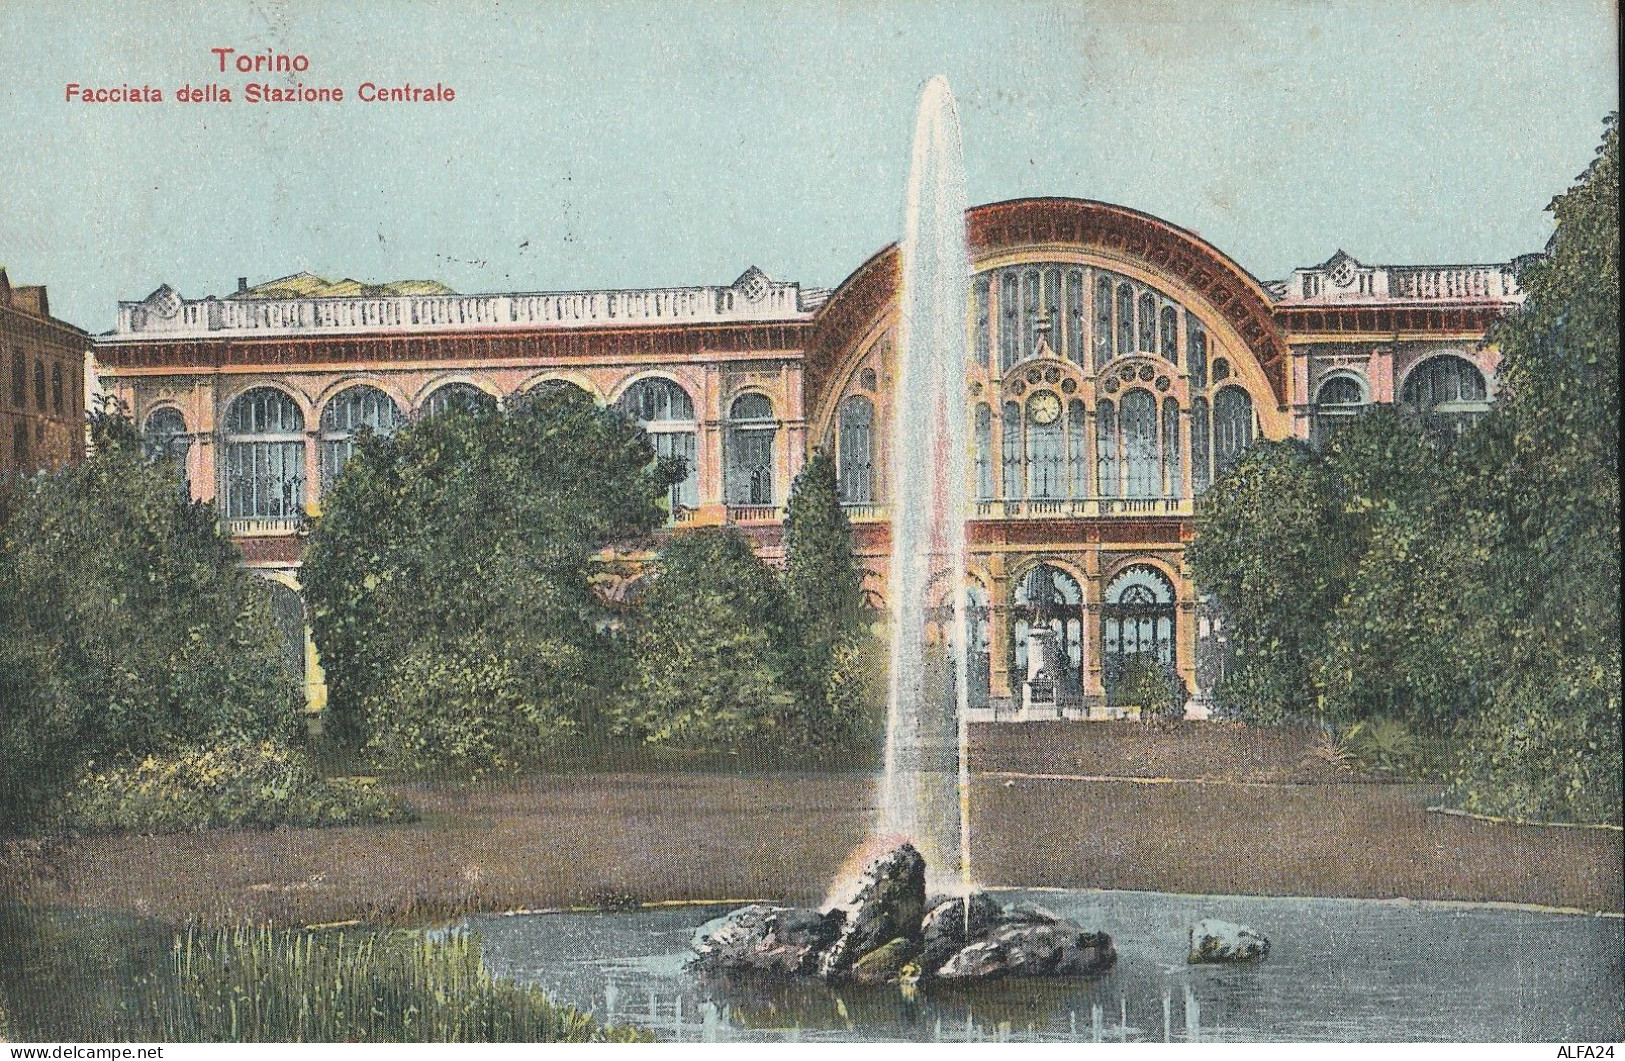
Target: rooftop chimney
{"type": "Point", "coordinates": [242, 284]}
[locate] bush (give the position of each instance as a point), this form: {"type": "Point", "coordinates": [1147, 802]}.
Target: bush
{"type": "Point", "coordinates": [1159, 694]}
{"type": "Point", "coordinates": [235, 786]}
{"type": "Point", "coordinates": [1383, 746]}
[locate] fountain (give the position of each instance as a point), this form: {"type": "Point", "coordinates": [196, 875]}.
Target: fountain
{"type": "Point", "coordinates": [878, 925]}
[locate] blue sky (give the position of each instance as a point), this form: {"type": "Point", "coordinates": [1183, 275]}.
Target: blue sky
{"type": "Point", "coordinates": [643, 144]}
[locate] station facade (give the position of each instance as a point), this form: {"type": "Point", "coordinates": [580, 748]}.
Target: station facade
{"type": "Point", "coordinates": [1120, 364]}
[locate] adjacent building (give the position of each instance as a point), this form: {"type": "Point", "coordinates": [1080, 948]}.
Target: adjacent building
{"type": "Point", "coordinates": [42, 398]}
{"type": "Point", "coordinates": [1121, 364]}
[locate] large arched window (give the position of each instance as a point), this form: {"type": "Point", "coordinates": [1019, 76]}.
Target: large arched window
{"type": "Point", "coordinates": [1047, 596]}
{"type": "Point", "coordinates": [265, 456]}
{"type": "Point", "coordinates": [984, 453]}
{"type": "Point", "coordinates": [1232, 427]}
{"type": "Point", "coordinates": [1340, 399]}
{"type": "Point", "coordinates": [556, 386]}
{"type": "Point", "coordinates": [1106, 448]}
{"type": "Point", "coordinates": [1139, 426]}
{"type": "Point", "coordinates": [664, 409]}
{"type": "Point", "coordinates": [458, 397]}
{"type": "Point", "coordinates": [855, 450]}
{"type": "Point", "coordinates": [164, 437]}
{"type": "Point", "coordinates": [1045, 455]}
{"type": "Point", "coordinates": [751, 432]}
{"type": "Point", "coordinates": [346, 414]}
{"type": "Point", "coordinates": [978, 621]}
{"type": "Point", "coordinates": [1137, 625]}
{"type": "Point", "coordinates": [1447, 391]}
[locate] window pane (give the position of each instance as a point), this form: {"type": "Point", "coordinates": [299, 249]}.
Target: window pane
{"type": "Point", "coordinates": [984, 452]}
{"type": "Point", "coordinates": [1200, 458]}
{"type": "Point", "coordinates": [1044, 470]}
{"type": "Point", "coordinates": [1170, 448]}
{"type": "Point", "coordinates": [1077, 449]}
{"type": "Point", "coordinates": [983, 323]}
{"type": "Point", "coordinates": [854, 445]}
{"type": "Point", "coordinates": [1106, 448]}
{"type": "Point", "coordinates": [1012, 451]}
{"type": "Point", "coordinates": [1139, 416]}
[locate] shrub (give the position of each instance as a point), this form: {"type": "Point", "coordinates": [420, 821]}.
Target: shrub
{"type": "Point", "coordinates": [1383, 746]}
{"type": "Point", "coordinates": [1159, 694]}
{"type": "Point", "coordinates": [235, 786]}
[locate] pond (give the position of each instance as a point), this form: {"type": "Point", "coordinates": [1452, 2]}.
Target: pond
{"type": "Point", "coordinates": [1339, 970]}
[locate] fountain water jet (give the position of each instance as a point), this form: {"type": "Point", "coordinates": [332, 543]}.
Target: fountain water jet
{"type": "Point", "coordinates": [922, 800]}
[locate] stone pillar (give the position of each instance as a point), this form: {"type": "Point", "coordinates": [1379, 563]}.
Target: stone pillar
{"type": "Point", "coordinates": [1094, 590]}
{"type": "Point", "coordinates": [999, 631]}
{"type": "Point", "coordinates": [313, 472]}
{"type": "Point", "coordinates": [1379, 373]}
{"type": "Point", "coordinates": [1302, 400]}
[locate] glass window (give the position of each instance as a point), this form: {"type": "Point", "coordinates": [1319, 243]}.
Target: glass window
{"type": "Point", "coordinates": [1232, 427]}
{"type": "Point", "coordinates": [19, 380]}
{"type": "Point", "coordinates": [1339, 400]}
{"type": "Point", "coordinates": [1074, 317]}
{"type": "Point", "coordinates": [854, 442]}
{"type": "Point", "coordinates": [458, 397]}
{"type": "Point", "coordinates": [1200, 457]}
{"type": "Point", "coordinates": [39, 385]}
{"type": "Point", "coordinates": [663, 409]}
{"type": "Point", "coordinates": [1029, 317]}
{"type": "Point", "coordinates": [1103, 322]}
{"type": "Point", "coordinates": [1044, 447]}
{"type": "Point", "coordinates": [1170, 334]}
{"type": "Point", "coordinates": [1053, 315]}
{"type": "Point", "coordinates": [1125, 318]}
{"type": "Point", "coordinates": [1012, 451]}
{"type": "Point", "coordinates": [1009, 319]}
{"type": "Point", "coordinates": [984, 340]}
{"type": "Point", "coordinates": [748, 462]}
{"type": "Point", "coordinates": [1172, 484]}
{"type": "Point", "coordinates": [164, 438]}
{"type": "Point", "coordinates": [1447, 391]}
{"type": "Point", "coordinates": [347, 414]}
{"type": "Point", "coordinates": [984, 452]}
{"type": "Point", "coordinates": [1077, 453]}
{"type": "Point", "coordinates": [1148, 323]}
{"type": "Point", "coordinates": [56, 389]}
{"type": "Point", "coordinates": [1195, 351]}
{"type": "Point", "coordinates": [1106, 448]}
{"type": "Point", "coordinates": [265, 456]}
{"type": "Point", "coordinates": [1139, 422]}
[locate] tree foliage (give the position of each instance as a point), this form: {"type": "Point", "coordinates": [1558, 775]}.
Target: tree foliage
{"type": "Point", "coordinates": [449, 579]}
{"type": "Point", "coordinates": [1467, 586]}
{"type": "Point", "coordinates": [130, 626]}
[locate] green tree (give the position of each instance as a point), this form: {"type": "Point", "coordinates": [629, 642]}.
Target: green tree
{"type": "Point", "coordinates": [827, 620]}
{"type": "Point", "coordinates": [130, 626]}
{"type": "Point", "coordinates": [705, 642]}
{"type": "Point", "coordinates": [449, 579]}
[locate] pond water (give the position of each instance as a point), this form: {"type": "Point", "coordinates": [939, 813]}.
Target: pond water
{"type": "Point", "coordinates": [1339, 970]}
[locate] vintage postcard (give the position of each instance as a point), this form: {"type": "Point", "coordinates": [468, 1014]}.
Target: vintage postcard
{"type": "Point", "coordinates": [1071, 521]}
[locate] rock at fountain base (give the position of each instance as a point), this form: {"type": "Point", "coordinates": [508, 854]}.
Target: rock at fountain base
{"type": "Point", "coordinates": [1032, 949]}
{"type": "Point", "coordinates": [885, 902]}
{"type": "Point", "coordinates": [764, 940]}
{"type": "Point", "coordinates": [952, 923]}
{"type": "Point", "coordinates": [1222, 942]}
{"type": "Point", "coordinates": [886, 963]}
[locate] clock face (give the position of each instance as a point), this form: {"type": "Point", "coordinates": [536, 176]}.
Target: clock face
{"type": "Point", "coordinates": [1044, 407]}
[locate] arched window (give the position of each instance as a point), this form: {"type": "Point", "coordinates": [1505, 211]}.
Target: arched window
{"type": "Point", "coordinates": [265, 456]}
{"type": "Point", "coordinates": [458, 397]}
{"type": "Point", "coordinates": [1139, 423]}
{"type": "Point", "coordinates": [1106, 448]}
{"type": "Point", "coordinates": [984, 453]}
{"type": "Point", "coordinates": [347, 413]}
{"type": "Point", "coordinates": [1447, 391]}
{"type": "Point", "coordinates": [1047, 596]}
{"type": "Point", "coordinates": [1009, 319]}
{"type": "Point", "coordinates": [1011, 451]}
{"type": "Point", "coordinates": [39, 385]}
{"type": "Point", "coordinates": [664, 410]}
{"type": "Point", "coordinates": [1195, 351]}
{"type": "Point", "coordinates": [556, 386]}
{"type": "Point", "coordinates": [1172, 484]}
{"type": "Point", "coordinates": [56, 389]}
{"type": "Point", "coordinates": [854, 442]}
{"type": "Point", "coordinates": [1339, 400]}
{"type": "Point", "coordinates": [1052, 317]}
{"type": "Point", "coordinates": [984, 323]}
{"type": "Point", "coordinates": [749, 464]}
{"type": "Point", "coordinates": [1137, 626]}
{"type": "Point", "coordinates": [1232, 427]}
{"type": "Point", "coordinates": [978, 621]}
{"type": "Point", "coordinates": [19, 380]}
{"type": "Point", "coordinates": [1170, 334]}
{"type": "Point", "coordinates": [164, 437]}
{"type": "Point", "coordinates": [1045, 459]}
{"type": "Point", "coordinates": [1077, 449]}
{"type": "Point", "coordinates": [1125, 318]}
{"type": "Point", "coordinates": [1074, 317]}
{"type": "Point", "coordinates": [1201, 456]}
{"type": "Point", "coordinates": [1148, 323]}
{"type": "Point", "coordinates": [1029, 319]}
{"type": "Point", "coordinates": [1103, 322]}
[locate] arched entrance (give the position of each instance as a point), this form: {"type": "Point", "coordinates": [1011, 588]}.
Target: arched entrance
{"type": "Point", "coordinates": [939, 620]}
{"type": "Point", "coordinates": [1048, 596]}
{"type": "Point", "coordinates": [1137, 625]}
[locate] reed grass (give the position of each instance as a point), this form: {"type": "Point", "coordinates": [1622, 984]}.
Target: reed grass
{"type": "Point", "coordinates": [260, 984]}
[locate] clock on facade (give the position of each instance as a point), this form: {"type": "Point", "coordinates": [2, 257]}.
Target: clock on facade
{"type": "Point", "coordinates": [1044, 408]}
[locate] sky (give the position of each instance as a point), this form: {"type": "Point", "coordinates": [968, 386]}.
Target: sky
{"type": "Point", "coordinates": [642, 144]}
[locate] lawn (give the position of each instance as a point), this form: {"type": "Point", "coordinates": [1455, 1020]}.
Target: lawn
{"type": "Point", "coordinates": [1201, 809]}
